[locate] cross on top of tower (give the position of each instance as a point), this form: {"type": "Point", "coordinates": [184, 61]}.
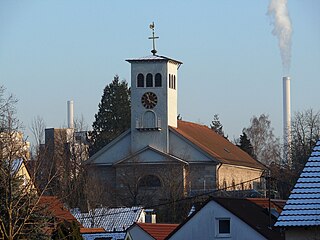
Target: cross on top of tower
{"type": "Point", "coordinates": [154, 51]}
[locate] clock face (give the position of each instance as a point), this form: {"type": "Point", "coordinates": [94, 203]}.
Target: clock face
{"type": "Point", "coordinates": [149, 100]}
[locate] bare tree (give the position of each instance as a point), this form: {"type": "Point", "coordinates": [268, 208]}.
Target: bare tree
{"type": "Point", "coordinates": [266, 147]}
{"type": "Point", "coordinates": [305, 134]}
{"type": "Point", "coordinates": [21, 215]}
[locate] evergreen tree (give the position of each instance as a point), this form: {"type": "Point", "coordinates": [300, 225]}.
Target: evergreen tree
{"type": "Point", "coordinates": [216, 125]}
{"type": "Point", "coordinates": [67, 231]}
{"type": "Point", "coordinates": [114, 114]}
{"type": "Point", "coordinates": [246, 145]}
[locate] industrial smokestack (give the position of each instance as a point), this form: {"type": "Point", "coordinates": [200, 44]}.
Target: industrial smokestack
{"type": "Point", "coordinates": [70, 113]}
{"type": "Point", "coordinates": [286, 119]}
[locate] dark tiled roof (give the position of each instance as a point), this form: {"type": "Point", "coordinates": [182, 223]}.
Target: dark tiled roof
{"type": "Point", "coordinates": [56, 208]}
{"type": "Point", "coordinates": [254, 215]}
{"type": "Point", "coordinates": [215, 145]}
{"type": "Point", "coordinates": [303, 205]}
{"type": "Point", "coordinates": [158, 231]}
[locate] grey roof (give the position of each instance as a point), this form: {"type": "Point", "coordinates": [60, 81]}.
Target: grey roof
{"type": "Point", "coordinates": [111, 219]}
{"type": "Point", "coordinates": [153, 58]}
{"type": "Point", "coordinates": [111, 236]}
{"type": "Point", "coordinates": [303, 205]}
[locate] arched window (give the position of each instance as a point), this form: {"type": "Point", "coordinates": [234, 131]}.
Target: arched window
{"type": "Point", "coordinates": [150, 181]}
{"type": "Point", "coordinates": [170, 81]}
{"type": "Point", "coordinates": [140, 80]}
{"type": "Point", "coordinates": [174, 82]}
{"type": "Point", "coordinates": [149, 82]}
{"type": "Point", "coordinates": [158, 80]}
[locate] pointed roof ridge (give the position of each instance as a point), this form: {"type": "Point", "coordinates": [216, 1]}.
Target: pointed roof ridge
{"type": "Point", "coordinates": [303, 205]}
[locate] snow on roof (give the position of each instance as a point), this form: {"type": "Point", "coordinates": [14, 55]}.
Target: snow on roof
{"type": "Point", "coordinates": [153, 58]}
{"type": "Point", "coordinates": [303, 205]}
{"type": "Point", "coordinates": [111, 219]}
{"type": "Point", "coordinates": [111, 236]}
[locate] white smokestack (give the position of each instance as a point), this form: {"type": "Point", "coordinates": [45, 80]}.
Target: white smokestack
{"type": "Point", "coordinates": [286, 119]}
{"type": "Point", "coordinates": [282, 29]}
{"type": "Point", "coordinates": [70, 113]}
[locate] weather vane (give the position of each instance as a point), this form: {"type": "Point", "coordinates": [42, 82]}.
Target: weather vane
{"type": "Point", "coordinates": [154, 51]}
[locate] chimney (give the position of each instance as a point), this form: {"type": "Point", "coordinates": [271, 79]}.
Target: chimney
{"type": "Point", "coordinates": [286, 119]}
{"type": "Point", "coordinates": [70, 113]}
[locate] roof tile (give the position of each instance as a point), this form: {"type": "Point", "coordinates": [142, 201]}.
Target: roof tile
{"type": "Point", "coordinates": [215, 145]}
{"type": "Point", "coordinates": [303, 206]}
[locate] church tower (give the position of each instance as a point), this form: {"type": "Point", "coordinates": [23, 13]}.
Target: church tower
{"type": "Point", "coordinates": [154, 84]}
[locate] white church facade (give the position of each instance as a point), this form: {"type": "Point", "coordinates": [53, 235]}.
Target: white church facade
{"type": "Point", "coordinates": [161, 155]}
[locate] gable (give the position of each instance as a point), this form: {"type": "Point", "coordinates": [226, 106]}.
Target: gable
{"type": "Point", "coordinates": [203, 225]}
{"type": "Point", "coordinates": [180, 146]}
{"type": "Point", "coordinates": [111, 153]}
{"type": "Point", "coordinates": [215, 145]}
{"type": "Point", "coordinates": [150, 155]}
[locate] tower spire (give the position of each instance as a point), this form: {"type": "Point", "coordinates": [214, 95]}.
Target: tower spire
{"type": "Point", "coordinates": [154, 51]}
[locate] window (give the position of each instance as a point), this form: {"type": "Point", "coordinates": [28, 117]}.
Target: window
{"type": "Point", "coordinates": [158, 80]}
{"type": "Point", "coordinates": [150, 181]}
{"type": "Point", "coordinates": [172, 81]}
{"type": "Point", "coordinates": [140, 80]}
{"type": "Point", "coordinates": [149, 80]}
{"type": "Point", "coordinates": [223, 227]}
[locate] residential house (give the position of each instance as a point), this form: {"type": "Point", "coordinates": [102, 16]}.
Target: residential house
{"type": "Point", "coordinates": [149, 231]}
{"type": "Point", "coordinates": [229, 218]}
{"type": "Point", "coordinates": [301, 215]}
{"type": "Point", "coordinates": [114, 221]}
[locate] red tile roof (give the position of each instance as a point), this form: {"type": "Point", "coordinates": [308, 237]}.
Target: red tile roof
{"type": "Point", "coordinates": [92, 230]}
{"type": "Point", "coordinates": [158, 231]}
{"type": "Point", "coordinates": [56, 208]}
{"type": "Point", "coordinates": [215, 145]}
{"type": "Point", "coordinates": [264, 202]}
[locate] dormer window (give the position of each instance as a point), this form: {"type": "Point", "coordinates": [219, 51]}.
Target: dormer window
{"type": "Point", "coordinates": [149, 80]}
{"type": "Point", "coordinates": [158, 80]}
{"type": "Point", "coordinates": [140, 80]}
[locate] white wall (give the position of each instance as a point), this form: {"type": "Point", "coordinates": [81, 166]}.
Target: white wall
{"type": "Point", "coordinates": [203, 225]}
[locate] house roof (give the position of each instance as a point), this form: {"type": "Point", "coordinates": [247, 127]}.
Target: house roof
{"type": "Point", "coordinates": [303, 205]}
{"type": "Point", "coordinates": [92, 230]}
{"type": "Point", "coordinates": [57, 209]}
{"type": "Point", "coordinates": [276, 204]}
{"type": "Point", "coordinates": [215, 145]}
{"type": "Point", "coordinates": [158, 231]}
{"type": "Point", "coordinates": [111, 219]}
{"type": "Point", "coordinates": [254, 215]}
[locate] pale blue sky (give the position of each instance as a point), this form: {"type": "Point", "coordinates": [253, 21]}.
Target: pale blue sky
{"type": "Point", "coordinates": [54, 51]}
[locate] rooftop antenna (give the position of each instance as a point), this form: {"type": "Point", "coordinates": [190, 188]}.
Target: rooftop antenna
{"type": "Point", "coordinates": [154, 51]}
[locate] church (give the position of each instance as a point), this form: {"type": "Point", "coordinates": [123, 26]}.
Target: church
{"type": "Point", "coordinates": [160, 156]}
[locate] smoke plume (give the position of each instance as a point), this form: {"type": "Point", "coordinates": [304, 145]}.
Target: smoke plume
{"type": "Point", "coordinates": [278, 12]}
